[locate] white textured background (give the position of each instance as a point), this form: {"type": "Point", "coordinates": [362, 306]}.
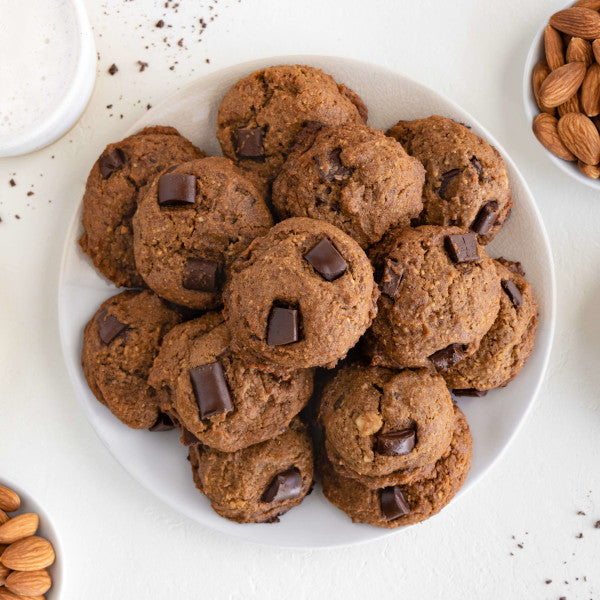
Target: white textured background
{"type": "Point", "coordinates": [119, 542]}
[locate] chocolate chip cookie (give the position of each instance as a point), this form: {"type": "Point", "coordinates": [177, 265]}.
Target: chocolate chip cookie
{"type": "Point", "coordinates": [300, 297]}
{"type": "Point", "coordinates": [191, 224]}
{"type": "Point", "coordinates": [466, 183]}
{"type": "Point", "coordinates": [440, 294]}
{"type": "Point", "coordinates": [120, 343]}
{"type": "Point", "coordinates": [352, 176]}
{"type": "Point", "coordinates": [507, 345]}
{"type": "Point", "coordinates": [398, 505]}
{"type": "Point", "coordinates": [111, 192]}
{"type": "Point", "coordinates": [260, 483]}
{"type": "Point", "coordinates": [215, 396]}
{"type": "Point", "coordinates": [260, 115]}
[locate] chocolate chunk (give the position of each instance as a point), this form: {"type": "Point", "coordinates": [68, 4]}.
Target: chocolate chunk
{"type": "Point", "coordinates": [391, 278]}
{"type": "Point", "coordinates": [396, 443]}
{"type": "Point", "coordinates": [200, 275]}
{"type": "Point", "coordinates": [477, 166]}
{"type": "Point", "coordinates": [284, 486]}
{"type": "Point", "coordinates": [176, 189]}
{"type": "Point", "coordinates": [112, 160]}
{"type": "Point", "coordinates": [462, 247]}
{"type": "Point", "coordinates": [512, 266]}
{"type": "Point", "coordinates": [393, 503]}
{"type": "Point", "coordinates": [210, 389]}
{"type": "Point", "coordinates": [331, 168]}
{"type": "Point", "coordinates": [188, 438]}
{"type": "Point", "coordinates": [163, 423]}
{"type": "Point", "coordinates": [485, 219]}
{"type": "Point", "coordinates": [470, 392]}
{"type": "Point", "coordinates": [448, 356]}
{"type": "Point", "coordinates": [447, 179]}
{"type": "Point", "coordinates": [283, 326]}
{"type": "Point", "coordinates": [326, 260]}
{"type": "Point", "coordinates": [512, 291]}
{"type": "Point", "coordinates": [109, 327]}
{"type": "Point", "coordinates": [249, 143]}
{"type": "Point", "coordinates": [113, 69]}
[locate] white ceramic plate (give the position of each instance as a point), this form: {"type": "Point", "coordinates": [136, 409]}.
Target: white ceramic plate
{"type": "Point", "coordinates": [536, 53]}
{"type": "Point", "coordinates": [157, 461]}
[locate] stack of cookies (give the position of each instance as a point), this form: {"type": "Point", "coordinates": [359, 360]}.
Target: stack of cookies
{"type": "Point", "coordinates": [309, 299]}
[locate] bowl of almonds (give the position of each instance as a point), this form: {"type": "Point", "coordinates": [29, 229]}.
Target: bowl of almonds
{"type": "Point", "coordinates": [561, 89]}
{"type": "Point", "coordinates": [29, 568]}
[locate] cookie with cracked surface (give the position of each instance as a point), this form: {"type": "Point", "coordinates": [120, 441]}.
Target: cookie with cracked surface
{"type": "Point", "coordinates": [440, 296]}
{"type": "Point", "coordinates": [466, 183]}
{"type": "Point", "coordinates": [261, 113]}
{"type": "Point", "coordinates": [507, 345]}
{"type": "Point", "coordinates": [260, 483]}
{"type": "Point", "coordinates": [401, 504]}
{"type": "Point", "coordinates": [218, 398]}
{"type": "Point", "coordinates": [191, 224]}
{"type": "Point", "coordinates": [120, 343]}
{"type": "Point", "coordinates": [300, 297]}
{"type": "Point", "coordinates": [378, 421]}
{"type": "Point", "coordinates": [116, 180]}
{"type": "Point", "coordinates": [352, 176]}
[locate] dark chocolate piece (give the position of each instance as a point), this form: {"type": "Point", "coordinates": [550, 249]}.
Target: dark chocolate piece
{"type": "Point", "coordinates": [326, 260]}
{"type": "Point", "coordinates": [111, 161]}
{"type": "Point", "coordinates": [109, 327]}
{"type": "Point", "coordinates": [462, 247]}
{"type": "Point", "coordinates": [513, 292]}
{"type": "Point", "coordinates": [200, 275]}
{"type": "Point", "coordinates": [188, 438]}
{"type": "Point", "coordinates": [331, 167]}
{"type": "Point", "coordinates": [284, 486]}
{"type": "Point", "coordinates": [396, 443]}
{"type": "Point", "coordinates": [470, 392]}
{"type": "Point", "coordinates": [210, 389]}
{"type": "Point", "coordinates": [176, 189]}
{"type": "Point", "coordinates": [485, 219]}
{"type": "Point", "coordinates": [391, 278]}
{"type": "Point", "coordinates": [283, 326]}
{"type": "Point", "coordinates": [249, 143]}
{"type": "Point", "coordinates": [448, 356]}
{"type": "Point", "coordinates": [447, 179]}
{"type": "Point", "coordinates": [393, 503]}
{"type": "Point", "coordinates": [477, 166]}
{"type": "Point", "coordinates": [163, 423]}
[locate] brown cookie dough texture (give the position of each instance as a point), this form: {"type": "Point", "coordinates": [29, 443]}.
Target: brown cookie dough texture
{"type": "Point", "coordinates": [120, 343]}
{"type": "Point", "coordinates": [365, 410]}
{"type": "Point", "coordinates": [111, 192]}
{"type": "Point", "coordinates": [263, 403]}
{"type": "Point", "coordinates": [429, 302]}
{"type": "Point", "coordinates": [258, 483]}
{"type": "Point", "coordinates": [226, 215]}
{"type": "Point", "coordinates": [273, 288]}
{"type": "Point", "coordinates": [466, 183]}
{"type": "Point", "coordinates": [352, 176]}
{"type": "Point", "coordinates": [271, 106]}
{"type": "Point", "coordinates": [422, 498]}
{"type": "Point", "coordinates": [507, 345]}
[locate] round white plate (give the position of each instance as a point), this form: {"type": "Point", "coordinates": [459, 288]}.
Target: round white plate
{"type": "Point", "coordinates": [157, 461]}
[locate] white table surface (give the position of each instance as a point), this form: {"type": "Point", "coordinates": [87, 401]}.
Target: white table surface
{"type": "Point", "coordinates": [118, 541]}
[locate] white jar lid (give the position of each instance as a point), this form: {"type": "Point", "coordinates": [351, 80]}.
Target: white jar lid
{"type": "Point", "coordinates": [47, 71]}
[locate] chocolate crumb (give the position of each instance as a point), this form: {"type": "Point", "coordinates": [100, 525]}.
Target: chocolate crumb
{"type": "Point", "coordinates": [520, 546]}
{"type": "Point", "coordinates": [142, 64]}
{"type": "Point", "coordinates": [30, 193]}
{"type": "Point", "coordinates": [548, 581]}
{"type": "Point", "coordinates": [109, 106]}
{"type": "Point", "coordinates": [17, 217]}
{"type": "Point", "coordinates": [148, 106]}
{"type": "Point", "coordinates": [113, 69]}
{"type": "Point", "coordinates": [207, 61]}
{"type": "Point", "coordinates": [579, 536]}
{"type": "Point", "coordinates": [580, 512]}
{"type": "Point", "coordinates": [597, 524]}
{"type": "Point", "coordinates": [180, 42]}
{"type": "Point", "coordinates": [12, 183]}
{"type": "Point", "coordinates": [160, 24]}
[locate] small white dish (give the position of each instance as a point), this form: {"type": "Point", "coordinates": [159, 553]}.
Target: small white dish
{"type": "Point", "coordinates": [537, 53]}
{"type": "Point", "coordinates": [45, 530]}
{"type": "Point", "coordinates": [48, 71]}
{"type": "Point", "coordinates": [157, 460]}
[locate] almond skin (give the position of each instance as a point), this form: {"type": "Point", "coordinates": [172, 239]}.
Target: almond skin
{"type": "Point", "coordinates": [553, 46]}
{"type": "Point", "coordinates": [590, 92]}
{"type": "Point", "coordinates": [539, 74]}
{"type": "Point", "coordinates": [33, 583]}
{"type": "Point", "coordinates": [593, 4]}
{"type": "Point", "coordinates": [9, 500]}
{"type": "Point", "coordinates": [577, 21]}
{"type": "Point", "coordinates": [545, 128]}
{"type": "Point", "coordinates": [591, 171]}
{"type": "Point", "coordinates": [3, 517]}
{"type": "Point", "coordinates": [4, 573]}
{"type": "Point", "coordinates": [596, 50]}
{"type": "Point", "coordinates": [562, 83]}
{"type": "Point", "coordinates": [580, 50]}
{"type": "Point", "coordinates": [571, 105]}
{"type": "Point", "coordinates": [579, 134]}
{"type": "Point", "coordinates": [31, 554]}
{"type": "Point", "coordinates": [19, 527]}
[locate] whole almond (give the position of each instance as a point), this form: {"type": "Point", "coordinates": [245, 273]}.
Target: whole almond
{"type": "Point", "coordinates": [593, 4]}
{"type": "Point", "coordinates": [571, 105]}
{"type": "Point", "coordinates": [596, 50]}
{"type": "Point", "coordinates": [590, 92]}
{"type": "Point", "coordinates": [9, 500]}
{"type": "Point", "coordinates": [3, 517]}
{"type": "Point", "coordinates": [577, 21]}
{"type": "Point", "coordinates": [580, 50]}
{"type": "Point", "coordinates": [31, 554]}
{"type": "Point", "coordinates": [591, 171]}
{"type": "Point", "coordinates": [545, 128]}
{"type": "Point", "coordinates": [562, 83]}
{"type": "Point", "coordinates": [540, 72]}
{"type": "Point", "coordinates": [8, 595]}
{"type": "Point", "coordinates": [4, 573]}
{"type": "Point", "coordinates": [32, 583]}
{"type": "Point", "coordinates": [19, 527]}
{"type": "Point", "coordinates": [579, 134]}
{"type": "Point", "coordinates": [553, 46]}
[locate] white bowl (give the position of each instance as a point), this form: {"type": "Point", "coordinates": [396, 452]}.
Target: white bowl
{"type": "Point", "coordinates": [157, 460]}
{"type": "Point", "coordinates": [45, 530]}
{"type": "Point", "coordinates": [65, 91]}
{"type": "Point", "coordinates": [537, 53]}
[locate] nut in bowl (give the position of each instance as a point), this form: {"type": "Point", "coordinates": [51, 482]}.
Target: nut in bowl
{"type": "Point", "coordinates": [561, 89]}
